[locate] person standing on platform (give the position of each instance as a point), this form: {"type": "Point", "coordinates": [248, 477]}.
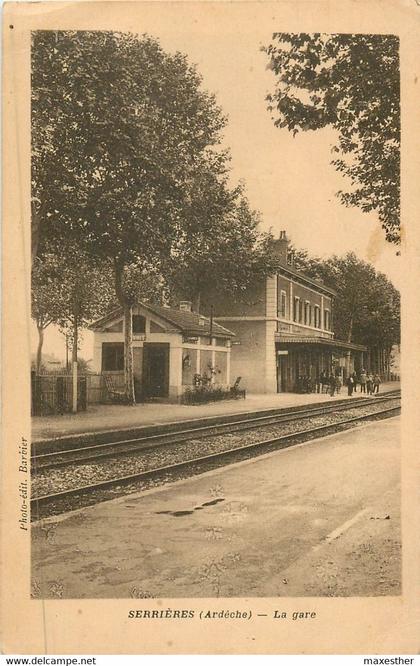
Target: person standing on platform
{"type": "Point", "coordinates": [350, 385]}
{"type": "Point", "coordinates": [363, 378]}
{"type": "Point", "coordinates": [338, 384]}
{"type": "Point", "coordinates": [369, 383]}
{"type": "Point", "coordinates": [354, 382]}
{"type": "Point", "coordinates": [332, 385]}
{"type": "Point", "coordinates": [376, 382]}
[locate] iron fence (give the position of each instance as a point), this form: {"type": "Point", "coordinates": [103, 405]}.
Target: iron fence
{"type": "Point", "coordinates": [52, 393]}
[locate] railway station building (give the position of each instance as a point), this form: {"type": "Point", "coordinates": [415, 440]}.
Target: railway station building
{"type": "Point", "coordinates": [171, 347]}
{"type": "Point", "coordinates": [285, 332]}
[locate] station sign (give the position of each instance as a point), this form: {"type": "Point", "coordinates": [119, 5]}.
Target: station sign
{"type": "Point", "coordinates": [282, 352]}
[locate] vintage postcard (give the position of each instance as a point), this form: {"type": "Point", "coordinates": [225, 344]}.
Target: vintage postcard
{"type": "Point", "coordinates": [211, 327]}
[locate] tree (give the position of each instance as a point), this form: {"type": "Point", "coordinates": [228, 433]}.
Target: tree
{"type": "Point", "coordinates": [70, 290]}
{"type": "Point", "coordinates": [86, 292]}
{"type": "Point", "coordinates": [46, 298]}
{"type": "Point", "coordinates": [367, 305]}
{"type": "Point", "coordinates": [350, 83]}
{"type": "Point", "coordinates": [145, 283]}
{"type": "Point", "coordinates": [125, 128]}
{"type": "Point", "coordinates": [380, 326]}
{"type": "Point", "coordinates": [222, 251]}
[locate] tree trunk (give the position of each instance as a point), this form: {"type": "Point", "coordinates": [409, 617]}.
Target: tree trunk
{"type": "Point", "coordinates": [39, 349]}
{"type": "Point", "coordinates": [128, 332]}
{"type": "Point", "coordinates": [388, 362]}
{"type": "Point", "coordinates": [74, 363]}
{"type": "Point", "coordinates": [197, 303]}
{"type": "Point", "coordinates": [128, 354]}
{"type": "Point", "coordinates": [350, 331]}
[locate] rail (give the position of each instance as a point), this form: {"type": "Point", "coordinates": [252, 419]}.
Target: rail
{"type": "Point", "coordinates": [94, 452]}
{"type": "Point", "coordinates": [61, 501]}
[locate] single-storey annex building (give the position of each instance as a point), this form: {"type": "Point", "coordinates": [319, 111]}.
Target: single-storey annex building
{"type": "Point", "coordinates": [172, 349]}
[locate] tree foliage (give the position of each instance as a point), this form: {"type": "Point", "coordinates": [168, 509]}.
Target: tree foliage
{"type": "Point", "coordinates": [349, 82]}
{"type": "Point", "coordinates": [127, 168]}
{"type": "Point", "coordinates": [46, 298]}
{"type": "Point", "coordinates": [124, 128]}
{"type": "Point", "coordinates": [223, 252]}
{"type": "Point", "coordinates": [367, 305]}
{"type": "Point", "coordinates": [143, 283]}
{"type": "Point", "coordinates": [70, 290]}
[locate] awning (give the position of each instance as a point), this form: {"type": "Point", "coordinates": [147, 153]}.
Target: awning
{"type": "Point", "coordinates": [327, 343]}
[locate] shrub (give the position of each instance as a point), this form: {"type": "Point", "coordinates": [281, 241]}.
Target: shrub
{"type": "Point", "coordinates": [202, 394]}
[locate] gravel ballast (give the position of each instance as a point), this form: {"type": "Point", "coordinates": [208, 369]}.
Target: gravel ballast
{"type": "Point", "coordinates": [83, 474]}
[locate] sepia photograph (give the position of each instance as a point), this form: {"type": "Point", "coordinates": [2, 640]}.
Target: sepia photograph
{"type": "Point", "coordinates": [198, 331]}
{"type": "Point", "coordinates": [211, 320]}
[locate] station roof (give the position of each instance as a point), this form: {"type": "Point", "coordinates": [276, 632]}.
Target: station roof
{"type": "Point", "coordinates": [317, 341]}
{"type": "Point", "coordinates": [189, 323]}
{"type": "Point", "coordinates": [301, 277]}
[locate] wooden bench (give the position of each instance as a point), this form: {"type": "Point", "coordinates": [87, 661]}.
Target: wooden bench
{"type": "Point", "coordinates": [118, 395]}
{"type": "Point", "coordinates": [235, 391]}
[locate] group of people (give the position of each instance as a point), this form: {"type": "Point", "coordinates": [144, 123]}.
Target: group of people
{"type": "Point", "coordinates": [368, 383]}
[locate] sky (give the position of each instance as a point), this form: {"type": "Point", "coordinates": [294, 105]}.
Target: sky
{"type": "Point", "coordinates": [288, 179]}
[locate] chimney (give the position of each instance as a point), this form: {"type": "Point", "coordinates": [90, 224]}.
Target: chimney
{"type": "Point", "coordinates": [185, 306]}
{"type": "Point", "coordinates": [280, 246]}
{"type": "Point", "coordinates": [292, 258]}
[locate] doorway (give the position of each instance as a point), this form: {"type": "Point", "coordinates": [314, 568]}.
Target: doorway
{"type": "Point", "coordinates": [156, 370]}
{"type": "Point", "coordinates": [281, 373]}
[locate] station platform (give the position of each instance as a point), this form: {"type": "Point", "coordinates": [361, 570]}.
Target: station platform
{"type": "Point", "coordinates": [101, 418]}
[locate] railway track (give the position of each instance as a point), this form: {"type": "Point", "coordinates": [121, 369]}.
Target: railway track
{"type": "Point", "coordinates": [66, 500]}
{"type": "Point", "coordinates": [96, 452]}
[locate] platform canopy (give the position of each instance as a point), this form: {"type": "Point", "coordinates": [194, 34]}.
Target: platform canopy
{"type": "Point", "coordinates": [327, 343]}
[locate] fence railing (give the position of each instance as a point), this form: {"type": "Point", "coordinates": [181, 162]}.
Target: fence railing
{"type": "Point", "coordinates": [52, 393]}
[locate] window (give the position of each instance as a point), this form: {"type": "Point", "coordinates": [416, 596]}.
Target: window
{"type": "Point", "coordinates": [112, 356]}
{"type": "Point", "coordinates": [283, 304]}
{"type": "Point", "coordinates": [300, 310]}
{"type": "Point", "coordinates": [327, 320]}
{"type": "Point", "coordinates": [296, 302]}
{"type": "Point", "coordinates": [139, 324]}
{"type": "Point", "coordinates": [307, 313]}
{"type": "Point", "coordinates": [317, 315]}
{"type": "Point", "coordinates": [310, 316]}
